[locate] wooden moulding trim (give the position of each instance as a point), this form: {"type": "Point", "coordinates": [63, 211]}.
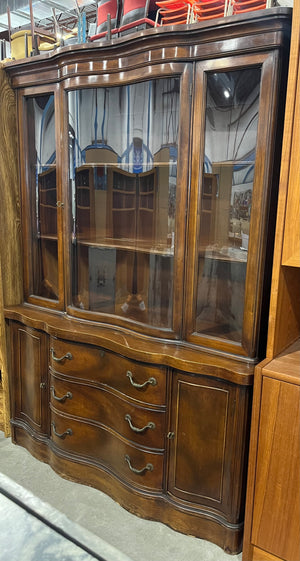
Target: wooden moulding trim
{"type": "Point", "coordinates": [154, 506]}
{"type": "Point", "coordinates": [261, 555]}
{"type": "Point", "coordinates": [175, 354]}
{"type": "Point", "coordinates": [263, 30]}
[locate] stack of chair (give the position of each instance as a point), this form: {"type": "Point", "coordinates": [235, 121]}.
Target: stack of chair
{"type": "Point", "coordinates": [117, 17]}
{"type": "Point", "coordinates": [240, 6]}
{"type": "Point", "coordinates": [134, 16]}
{"type": "Point", "coordinates": [174, 12]}
{"type": "Point", "coordinates": [107, 15]}
{"type": "Point", "coordinates": [209, 9]}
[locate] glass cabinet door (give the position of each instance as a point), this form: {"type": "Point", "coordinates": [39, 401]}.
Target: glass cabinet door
{"type": "Point", "coordinates": [40, 178]}
{"type": "Point", "coordinates": [123, 156]}
{"type": "Point", "coordinates": [231, 205]}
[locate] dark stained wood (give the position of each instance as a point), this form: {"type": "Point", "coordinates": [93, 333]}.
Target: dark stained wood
{"type": "Point", "coordinates": [94, 444]}
{"type": "Point", "coordinates": [11, 274]}
{"type": "Point", "coordinates": [109, 407]}
{"type": "Point", "coordinates": [27, 176]}
{"type": "Point", "coordinates": [135, 346]}
{"type": "Point", "coordinates": [185, 74]}
{"type": "Point", "coordinates": [264, 194]}
{"type": "Point", "coordinates": [98, 365]}
{"type": "Point", "coordinates": [201, 474]}
{"type": "Point", "coordinates": [189, 469]}
{"type": "Point", "coordinates": [29, 388]}
{"type": "Point", "coordinates": [198, 42]}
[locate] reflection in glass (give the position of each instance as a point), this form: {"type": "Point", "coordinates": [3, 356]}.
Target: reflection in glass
{"type": "Point", "coordinates": [123, 166]}
{"type": "Point", "coordinates": [42, 195]}
{"type": "Point", "coordinates": [231, 118]}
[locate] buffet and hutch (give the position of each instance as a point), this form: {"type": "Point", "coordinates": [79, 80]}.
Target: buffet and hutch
{"type": "Point", "coordinates": [148, 187]}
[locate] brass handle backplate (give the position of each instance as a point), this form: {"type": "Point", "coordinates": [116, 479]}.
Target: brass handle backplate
{"type": "Point", "coordinates": [150, 425]}
{"type": "Point", "coordinates": [68, 395]}
{"type": "Point", "coordinates": [68, 356]}
{"type": "Point", "coordinates": [148, 467]}
{"type": "Point", "coordinates": [63, 434]}
{"type": "Point", "coordinates": [152, 381]}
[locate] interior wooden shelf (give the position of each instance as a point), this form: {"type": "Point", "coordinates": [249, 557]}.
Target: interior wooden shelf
{"type": "Point", "coordinates": [47, 237]}
{"type": "Point", "coordinates": [236, 256]}
{"type": "Point", "coordinates": [143, 247]}
{"type": "Point", "coordinates": [124, 167]}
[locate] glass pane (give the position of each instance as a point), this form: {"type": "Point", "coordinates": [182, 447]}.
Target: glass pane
{"type": "Point", "coordinates": [42, 193]}
{"type": "Point", "coordinates": [123, 166]}
{"type": "Point", "coordinates": [231, 118]}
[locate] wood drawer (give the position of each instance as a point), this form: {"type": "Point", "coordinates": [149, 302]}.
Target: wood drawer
{"type": "Point", "coordinates": [96, 364]}
{"type": "Point", "coordinates": [95, 444]}
{"type": "Point", "coordinates": [100, 404]}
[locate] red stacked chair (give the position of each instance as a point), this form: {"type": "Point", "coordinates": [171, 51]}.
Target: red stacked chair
{"type": "Point", "coordinates": [135, 16]}
{"type": "Point", "coordinates": [105, 8]}
{"type": "Point", "coordinates": [209, 9]}
{"type": "Point", "coordinates": [240, 6]}
{"type": "Point", "coordinates": [174, 12]}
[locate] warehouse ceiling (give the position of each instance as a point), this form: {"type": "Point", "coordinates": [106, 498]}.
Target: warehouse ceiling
{"type": "Point", "coordinates": [44, 13]}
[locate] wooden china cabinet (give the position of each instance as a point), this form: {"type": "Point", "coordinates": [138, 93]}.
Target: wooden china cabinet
{"type": "Point", "coordinates": [148, 174]}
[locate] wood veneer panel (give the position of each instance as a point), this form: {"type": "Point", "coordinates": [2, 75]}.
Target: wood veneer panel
{"type": "Point", "coordinates": [276, 513]}
{"type": "Point", "coordinates": [10, 228]}
{"type": "Point", "coordinates": [284, 314]}
{"type": "Point", "coordinates": [291, 245]}
{"type": "Point", "coordinates": [286, 367]}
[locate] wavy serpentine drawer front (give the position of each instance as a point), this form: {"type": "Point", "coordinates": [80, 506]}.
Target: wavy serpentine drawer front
{"type": "Point", "coordinates": [95, 444]}
{"type": "Point", "coordinates": [100, 404]}
{"type": "Point", "coordinates": [134, 379]}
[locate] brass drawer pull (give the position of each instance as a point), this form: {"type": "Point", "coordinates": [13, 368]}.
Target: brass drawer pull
{"type": "Point", "coordinates": [150, 425]}
{"type": "Point", "coordinates": [63, 434]}
{"type": "Point", "coordinates": [60, 359]}
{"type": "Point", "coordinates": [63, 398]}
{"type": "Point", "coordinates": [148, 467]}
{"type": "Point", "coordinates": [152, 381]}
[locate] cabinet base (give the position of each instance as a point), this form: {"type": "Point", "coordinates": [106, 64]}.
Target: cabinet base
{"type": "Point", "coordinates": [152, 506]}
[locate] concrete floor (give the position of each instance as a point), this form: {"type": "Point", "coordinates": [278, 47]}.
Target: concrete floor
{"type": "Point", "coordinates": [140, 540]}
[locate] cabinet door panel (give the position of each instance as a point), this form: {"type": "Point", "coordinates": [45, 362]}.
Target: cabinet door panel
{"type": "Point", "coordinates": [129, 184]}
{"type": "Point", "coordinates": [202, 416]}
{"type": "Point", "coordinates": [30, 363]}
{"type": "Point", "coordinates": [206, 463]}
{"type": "Point", "coordinates": [41, 197]}
{"type": "Point", "coordinates": [230, 198]}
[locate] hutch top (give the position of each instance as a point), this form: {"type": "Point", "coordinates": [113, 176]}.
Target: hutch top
{"type": "Point", "coordinates": [147, 173]}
